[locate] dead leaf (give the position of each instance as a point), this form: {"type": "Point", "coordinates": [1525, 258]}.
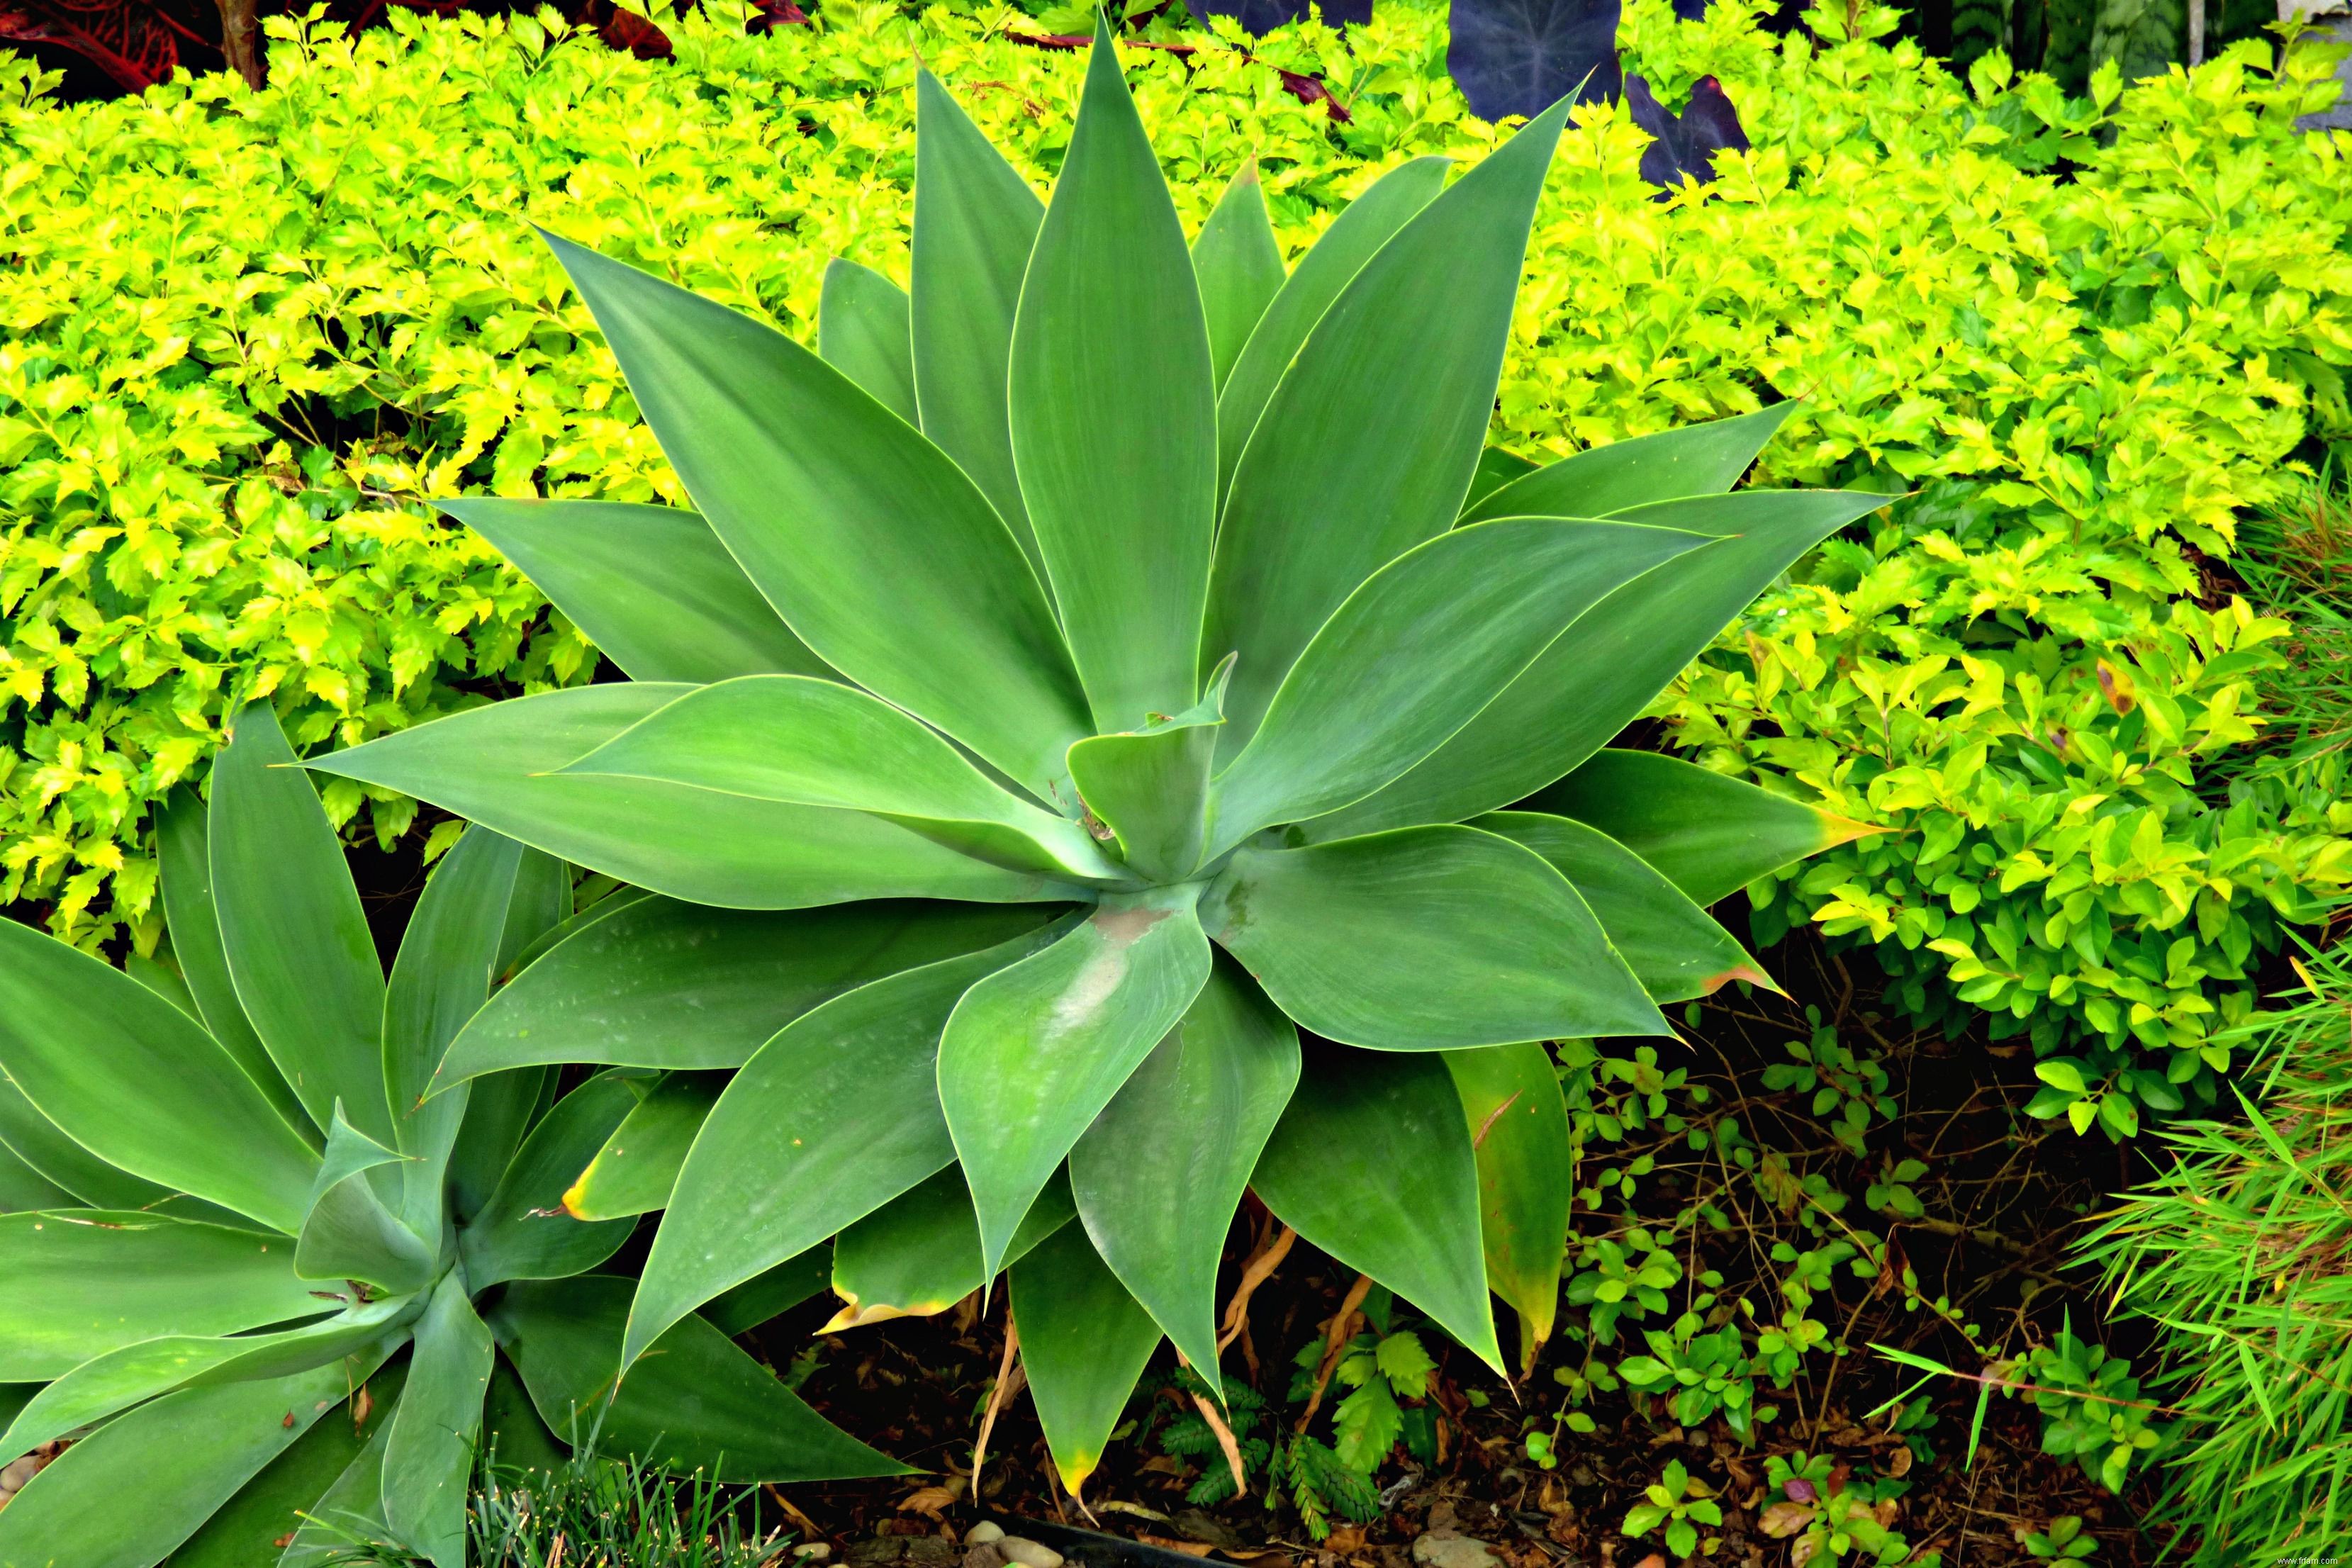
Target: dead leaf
{"type": "Point", "coordinates": [931, 1501]}
{"type": "Point", "coordinates": [1654, 1559]}
{"type": "Point", "coordinates": [1803, 1552]}
{"type": "Point", "coordinates": [1162, 1465]}
{"type": "Point", "coordinates": [362, 1405]}
{"type": "Point", "coordinates": [1898, 1464]}
{"type": "Point", "coordinates": [1346, 1539]}
{"type": "Point", "coordinates": [1783, 1520]}
{"type": "Point", "coordinates": [1172, 1543]}
{"type": "Point", "coordinates": [1887, 1511]}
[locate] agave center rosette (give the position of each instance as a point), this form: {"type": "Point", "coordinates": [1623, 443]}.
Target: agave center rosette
{"type": "Point", "coordinates": [1134, 646]}
{"type": "Point", "coordinates": [249, 1216]}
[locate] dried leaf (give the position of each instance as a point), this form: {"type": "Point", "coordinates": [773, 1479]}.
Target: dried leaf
{"type": "Point", "coordinates": [1783, 1520]}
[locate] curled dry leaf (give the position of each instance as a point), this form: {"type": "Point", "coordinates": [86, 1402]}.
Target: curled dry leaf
{"type": "Point", "coordinates": [1783, 1520]}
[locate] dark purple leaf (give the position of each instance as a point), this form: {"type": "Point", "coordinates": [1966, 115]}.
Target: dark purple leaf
{"type": "Point", "coordinates": [1259, 17]}
{"type": "Point", "coordinates": [1518, 56]}
{"type": "Point", "coordinates": [1797, 1488]}
{"type": "Point", "coordinates": [1684, 148]}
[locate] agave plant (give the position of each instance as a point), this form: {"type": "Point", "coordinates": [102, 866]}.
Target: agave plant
{"type": "Point", "coordinates": [1110, 737]}
{"type": "Point", "coordinates": [274, 1282]}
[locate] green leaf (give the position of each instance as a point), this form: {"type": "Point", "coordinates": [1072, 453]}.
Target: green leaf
{"type": "Point", "coordinates": [1161, 1172]}
{"type": "Point", "coordinates": [804, 741]}
{"type": "Point", "coordinates": [22, 1187]}
{"type": "Point", "coordinates": [298, 943]}
{"type": "Point", "coordinates": [864, 330]}
{"type": "Point", "coordinates": [650, 586]}
{"type": "Point", "coordinates": [1498, 467]}
{"type": "Point", "coordinates": [2062, 1075]}
{"type": "Point", "coordinates": [920, 1253]}
{"type": "Point", "coordinates": [1709, 834]}
{"type": "Point", "coordinates": [1150, 786]}
{"type": "Point", "coordinates": [693, 1402]}
{"type": "Point", "coordinates": [351, 1230]}
{"type": "Point", "coordinates": [440, 978]}
{"type": "Point", "coordinates": [1362, 226]}
{"type": "Point", "coordinates": [1526, 1173]}
{"type": "Point", "coordinates": [1037, 1049]}
{"type": "Point", "coordinates": [77, 1284]}
{"type": "Point", "coordinates": [1114, 410]}
{"type": "Point", "coordinates": [1415, 652]}
{"type": "Point", "coordinates": [1604, 670]}
{"type": "Point", "coordinates": [113, 1382]}
{"type": "Point", "coordinates": [1676, 948]}
{"type": "Point", "coordinates": [1238, 264]}
{"type": "Point", "coordinates": [832, 1119]}
{"type": "Point", "coordinates": [184, 852]}
{"type": "Point", "coordinates": [523, 1233]}
{"type": "Point", "coordinates": [1690, 461]}
{"type": "Point", "coordinates": [428, 1458]}
{"type": "Point", "coordinates": [1372, 1163]}
{"type": "Point", "coordinates": [128, 1494]}
{"type": "Point", "coordinates": [1380, 420]}
{"type": "Point", "coordinates": [499, 766]}
{"type": "Point", "coordinates": [133, 1079]}
{"type": "Point", "coordinates": [975, 224]}
{"type": "Point", "coordinates": [634, 1172]}
{"type": "Point", "coordinates": [54, 1158]}
{"type": "Point", "coordinates": [777, 1290]}
{"type": "Point", "coordinates": [867, 539]}
{"type": "Point", "coordinates": [1084, 1342]}
{"type": "Point", "coordinates": [658, 984]}
{"type": "Point", "coordinates": [1425, 939]}
{"type": "Point", "coordinates": [331, 1472]}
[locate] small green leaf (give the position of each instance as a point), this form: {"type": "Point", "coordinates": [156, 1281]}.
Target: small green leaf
{"type": "Point", "coordinates": [650, 586]}
{"type": "Point", "coordinates": [693, 1402]}
{"type": "Point", "coordinates": [354, 1228]}
{"type": "Point", "coordinates": [1709, 835]}
{"type": "Point", "coordinates": [864, 330]}
{"type": "Point", "coordinates": [1372, 1163]}
{"type": "Point", "coordinates": [1150, 786]}
{"type": "Point", "coordinates": [1425, 939]}
{"type": "Point", "coordinates": [1527, 1168]}
{"type": "Point", "coordinates": [975, 225]}
{"type": "Point", "coordinates": [1084, 1341]}
{"type": "Point", "coordinates": [1114, 413]}
{"type": "Point", "coordinates": [429, 1456]}
{"type": "Point", "coordinates": [498, 767]}
{"type": "Point", "coordinates": [1689, 460]}
{"type": "Point", "coordinates": [660, 983]}
{"type": "Point", "coordinates": [920, 1253]}
{"type": "Point", "coordinates": [634, 1172]}
{"type": "Point", "coordinates": [832, 1119]}
{"type": "Point", "coordinates": [804, 742]}
{"type": "Point", "coordinates": [1161, 1172]}
{"type": "Point", "coordinates": [1035, 1050]}
{"type": "Point", "coordinates": [1239, 265]}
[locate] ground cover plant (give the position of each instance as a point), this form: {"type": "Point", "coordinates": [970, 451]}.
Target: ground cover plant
{"type": "Point", "coordinates": [1246, 776]}
{"type": "Point", "coordinates": [242, 1247]}
{"type": "Point", "coordinates": [215, 489]}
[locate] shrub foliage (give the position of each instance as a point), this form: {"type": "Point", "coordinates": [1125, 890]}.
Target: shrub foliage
{"type": "Point", "coordinates": [242, 336]}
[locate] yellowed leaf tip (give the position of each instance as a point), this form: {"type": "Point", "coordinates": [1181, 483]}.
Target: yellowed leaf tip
{"type": "Point", "coordinates": [1837, 830]}
{"type": "Point", "coordinates": [575, 1197]}
{"type": "Point", "coordinates": [1748, 972]}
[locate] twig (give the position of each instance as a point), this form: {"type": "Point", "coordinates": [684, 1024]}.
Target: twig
{"type": "Point", "coordinates": [1255, 1273]}
{"type": "Point", "coordinates": [1343, 1326]}
{"type": "Point", "coordinates": [1007, 1371]}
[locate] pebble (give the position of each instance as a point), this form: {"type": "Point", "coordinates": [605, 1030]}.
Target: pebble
{"type": "Point", "coordinates": [811, 1551]}
{"type": "Point", "coordinates": [1433, 1550]}
{"type": "Point", "coordinates": [16, 1472]}
{"type": "Point", "coordinates": [1027, 1553]}
{"type": "Point", "coordinates": [983, 1533]}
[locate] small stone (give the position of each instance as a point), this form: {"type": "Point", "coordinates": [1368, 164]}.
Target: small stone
{"type": "Point", "coordinates": [16, 1472]}
{"type": "Point", "coordinates": [980, 1534]}
{"type": "Point", "coordinates": [987, 1555]}
{"type": "Point", "coordinates": [1436, 1549]}
{"type": "Point", "coordinates": [1027, 1553]}
{"type": "Point", "coordinates": [811, 1551]}
{"type": "Point", "coordinates": [905, 1551]}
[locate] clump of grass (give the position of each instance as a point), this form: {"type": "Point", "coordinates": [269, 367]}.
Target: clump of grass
{"type": "Point", "coordinates": [594, 1513]}
{"type": "Point", "coordinates": [2297, 562]}
{"type": "Point", "coordinates": [2241, 1256]}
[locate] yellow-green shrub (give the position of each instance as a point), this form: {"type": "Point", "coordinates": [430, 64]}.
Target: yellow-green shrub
{"type": "Point", "coordinates": [241, 337]}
